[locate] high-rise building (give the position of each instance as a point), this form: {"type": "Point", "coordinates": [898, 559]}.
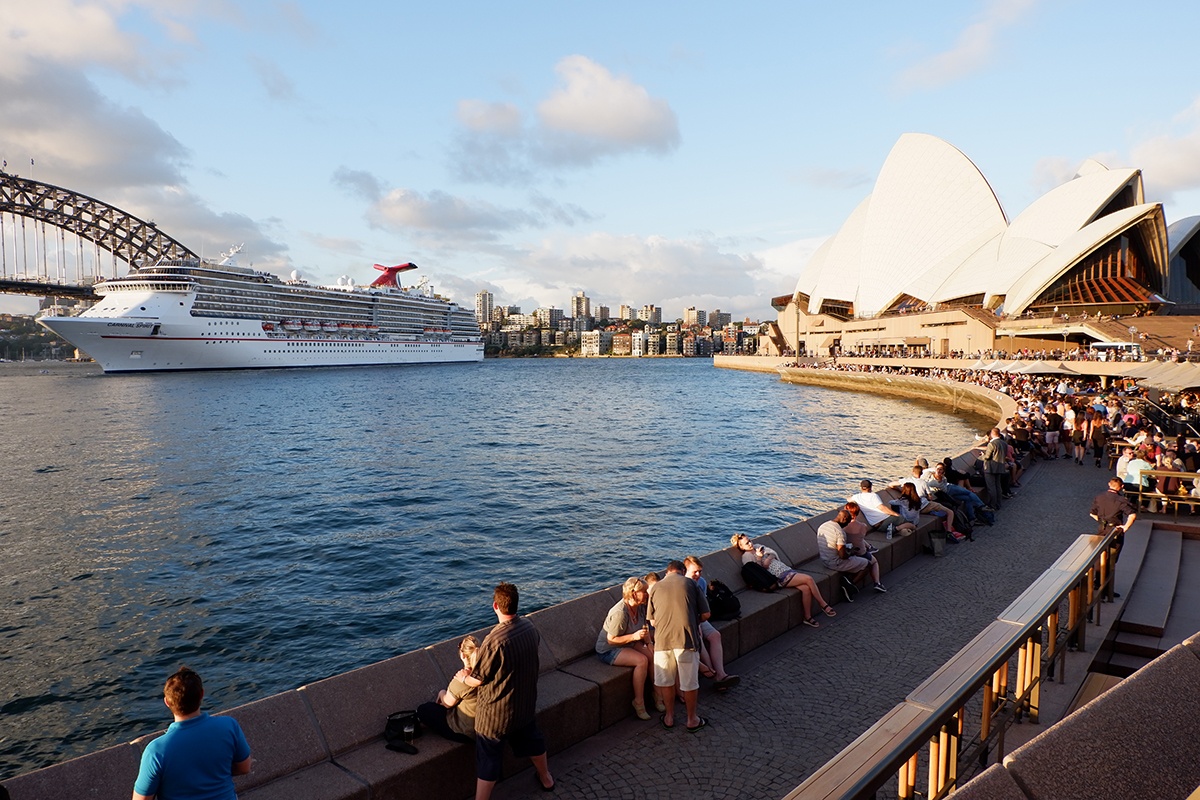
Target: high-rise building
{"type": "Point", "coordinates": [694, 316]}
{"type": "Point", "coordinates": [652, 314]}
{"type": "Point", "coordinates": [549, 317]}
{"type": "Point", "coordinates": [719, 319]}
{"type": "Point", "coordinates": [484, 305]}
{"type": "Point", "coordinates": [601, 312]}
{"type": "Point", "coordinates": [581, 306]}
{"type": "Point", "coordinates": [625, 312]}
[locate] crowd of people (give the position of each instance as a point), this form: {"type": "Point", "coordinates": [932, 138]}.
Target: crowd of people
{"type": "Point", "coordinates": [661, 630]}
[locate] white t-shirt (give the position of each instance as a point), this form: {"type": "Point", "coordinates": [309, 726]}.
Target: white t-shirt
{"type": "Point", "coordinates": [870, 502]}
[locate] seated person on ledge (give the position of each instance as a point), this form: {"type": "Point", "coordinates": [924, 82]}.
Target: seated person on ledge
{"type": "Point", "coordinates": [831, 546]}
{"type": "Point", "coordinates": [878, 515]}
{"type": "Point", "coordinates": [624, 640]}
{"type": "Point", "coordinates": [786, 576]}
{"type": "Point", "coordinates": [453, 715]}
{"type": "Point", "coordinates": [712, 648]}
{"type": "Point", "coordinates": [856, 531]}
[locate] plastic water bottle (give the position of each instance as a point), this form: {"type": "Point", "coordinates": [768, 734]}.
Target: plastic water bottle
{"type": "Point", "coordinates": [891, 529]}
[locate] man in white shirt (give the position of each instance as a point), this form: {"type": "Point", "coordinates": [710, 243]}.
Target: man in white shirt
{"type": "Point", "coordinates": [879, 515]}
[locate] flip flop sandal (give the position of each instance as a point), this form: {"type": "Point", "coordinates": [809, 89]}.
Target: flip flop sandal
{"type": "Point", "coordinates": [812, 622]}
{"type": "Point", "coordinates": [829, 612]}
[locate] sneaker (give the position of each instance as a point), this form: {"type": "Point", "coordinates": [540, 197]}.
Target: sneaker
{"type": "Point", "coordinates": [879, 587]}
{"type": "Point", "coordinates": [1008, 495]}
{"type": "Point", "coordinates": [846, 593]}
{"type": "Point", "coordinates": [872, 549]}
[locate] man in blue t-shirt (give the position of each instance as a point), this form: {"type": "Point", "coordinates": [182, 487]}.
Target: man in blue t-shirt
{"type": "Point", "coordinates": [198, 756]}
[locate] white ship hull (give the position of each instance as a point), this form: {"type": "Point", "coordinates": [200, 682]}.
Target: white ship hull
{"type": "Point", "coordinates": [162, 319]}
{"type": "Point", "coordinates": [118, 347]}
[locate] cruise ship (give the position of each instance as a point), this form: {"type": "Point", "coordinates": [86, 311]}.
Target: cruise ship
{"type": "Point", "coordinates": [192, 314]}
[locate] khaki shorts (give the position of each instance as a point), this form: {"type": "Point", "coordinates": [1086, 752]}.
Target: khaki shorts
{"type": "Point", "coordinates": [684, 664]}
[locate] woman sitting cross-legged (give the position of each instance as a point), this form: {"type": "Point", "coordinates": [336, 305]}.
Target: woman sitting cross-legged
{"type": "Point", "coordinates": [786, 576]}
{"type": "Point", "coordinates": [625, 641]}
{"type": "Point", "coordinates": [911, 505]}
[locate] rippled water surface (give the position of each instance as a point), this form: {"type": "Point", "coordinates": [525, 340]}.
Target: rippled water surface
{"type": "Point", "coordinates": [271, 528]}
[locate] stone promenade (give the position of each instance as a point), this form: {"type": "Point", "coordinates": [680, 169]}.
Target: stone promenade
{"type": "Point", "coordinates": [809, 693]}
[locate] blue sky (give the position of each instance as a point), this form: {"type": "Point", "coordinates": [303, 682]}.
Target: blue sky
{"type": "Point", "coordinates": [668, 153]}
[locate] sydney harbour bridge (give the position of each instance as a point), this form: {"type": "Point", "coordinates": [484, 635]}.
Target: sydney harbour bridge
{"type": "Point", "coordinates": [56, 243]}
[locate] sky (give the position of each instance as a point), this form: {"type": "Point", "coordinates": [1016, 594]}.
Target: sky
{"type": "Point", "coordinates": [676, 154]}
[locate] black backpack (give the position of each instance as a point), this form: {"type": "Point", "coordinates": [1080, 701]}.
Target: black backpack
{"type": "Point", "coordinates": [722, 602]}
{"type": "Point", "coordinates": [758, 578]}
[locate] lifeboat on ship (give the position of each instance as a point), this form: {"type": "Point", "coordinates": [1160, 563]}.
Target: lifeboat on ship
{"type": "Point", "coordinates": [291, 325]}
{"type": "Point", "coordinates": [268, 326]}
{"type": "Point", "coordinates": [372, 329]}
{"type": "Point", "coordinates": [329, 327]}
{"type": "Point", "coordinates": [345, 327]}
{"type": "Point", "coordinates": [312, 325]}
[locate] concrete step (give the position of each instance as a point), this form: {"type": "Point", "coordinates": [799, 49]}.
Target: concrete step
{"type": "Point", "coordinates": [1185, 609]}
{"type": "Point", "coordinates": [1138, 644]}
{"type": "Point", "coordinates": [1150, 599]}
{"type": "Point", "coordinates": [1122, 665]}
{"type": "Point", "coordinates": [1137, 539]}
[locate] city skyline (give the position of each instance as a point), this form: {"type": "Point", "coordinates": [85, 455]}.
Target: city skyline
{"type": "Point", "coordinates": [694, 159]}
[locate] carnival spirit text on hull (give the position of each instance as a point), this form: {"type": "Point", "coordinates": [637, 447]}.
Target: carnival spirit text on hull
{"type": "Point", "coordinates": [192, 314]}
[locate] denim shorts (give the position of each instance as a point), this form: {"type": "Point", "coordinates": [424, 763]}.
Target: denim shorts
{"type": "Point", "coordinates": [610, 657]}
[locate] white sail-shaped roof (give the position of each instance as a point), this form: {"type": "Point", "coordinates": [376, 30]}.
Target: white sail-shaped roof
{"type": "Point", "coordinates": [929, 202]}
{"type": "Point", "coordinates": [1041, 275]}
{"type": "Point", "coordinates": [933, 229]}
{"type": "Point", "coordinates": [841, 274]}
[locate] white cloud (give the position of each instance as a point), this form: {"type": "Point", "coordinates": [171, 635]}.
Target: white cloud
{"type": "Point", "coordinates": [492, 118]}
{"type": "Point", "coordinates": [591, 115]}
{"type": "Point", "coordinates": [36, 33]}
{"type": "Point", "coordinates": [595, 113]}
{"type": "Point", "coordinates": [972, 51]}
{"type": "Point", "coordinates": [82, 140]}
{"type": "Point", "coordinates": [670, 273]}
{"type": "Point", "coordinates": [440, 212]}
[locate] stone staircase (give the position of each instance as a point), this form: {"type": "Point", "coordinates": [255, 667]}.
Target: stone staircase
{"type": "Point", "coordinates": [1158, 575]}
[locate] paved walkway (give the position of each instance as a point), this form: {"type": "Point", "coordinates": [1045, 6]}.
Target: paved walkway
{"type": "Point", "coordinates": [809, 693]}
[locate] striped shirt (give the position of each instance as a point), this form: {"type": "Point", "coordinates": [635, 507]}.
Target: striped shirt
{"type": "Point", "coordinates": [508, 666]}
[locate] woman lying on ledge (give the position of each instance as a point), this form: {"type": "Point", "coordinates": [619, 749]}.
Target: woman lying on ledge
{"type": "Point", "coordinates": [786, 576]}
{"type": "Point", "coordinates": [453, 715]}
{"type": "Point", "coordinates": [625, 641]}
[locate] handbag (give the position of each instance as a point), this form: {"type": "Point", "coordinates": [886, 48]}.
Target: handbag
{"type": "Point", "coordinates": [400, 730]}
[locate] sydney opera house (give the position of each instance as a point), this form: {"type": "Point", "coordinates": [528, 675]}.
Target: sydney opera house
{"type": "Point", "coordinates": [930, 261]}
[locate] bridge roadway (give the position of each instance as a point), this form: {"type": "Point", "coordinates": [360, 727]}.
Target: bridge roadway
{"type": "Point", "coordinates": [806, 695]}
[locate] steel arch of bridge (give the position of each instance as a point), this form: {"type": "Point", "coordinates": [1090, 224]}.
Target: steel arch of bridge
{"type": "Point", "coordinates": [117, 231]}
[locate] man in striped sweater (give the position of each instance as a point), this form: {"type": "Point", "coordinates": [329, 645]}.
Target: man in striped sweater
{"type": "Point", "coordinates": [507, 666]}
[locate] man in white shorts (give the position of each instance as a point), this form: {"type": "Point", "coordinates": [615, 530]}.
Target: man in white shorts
{"type": "Point", "coordinates": [675, 610]}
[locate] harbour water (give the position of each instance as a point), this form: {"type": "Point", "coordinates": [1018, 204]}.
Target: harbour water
{"type": "Point", "coordinates": [271, 528]}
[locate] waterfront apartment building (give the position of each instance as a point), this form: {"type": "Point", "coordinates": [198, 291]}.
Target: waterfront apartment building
{"type": "Point", "coordinates": [637, 344]}
{"type": "Point", "coordinates": [651, 314]}
{"type": "Point", "coordinates": [673, 343]}
{"type": "Point", "coordinates": [693, 316]}
{"type": "Point", "coordinates": [719, 318]}
{"type": "Point", "coordinates": [484, 306]}
{"type": "Point", "coordinates": [622, 344]}
{"type": "Point", "coordinates": [601, 312]}
{"type": "Point", "coordinates": [625, 312]}
{"type": "Point", "coordinates": [595, 343]}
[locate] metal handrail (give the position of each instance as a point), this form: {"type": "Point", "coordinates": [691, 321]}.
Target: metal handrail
{"type": "Point", "coordinates": [935, 712]}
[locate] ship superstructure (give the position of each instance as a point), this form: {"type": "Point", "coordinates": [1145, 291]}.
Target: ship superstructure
{"type": "Point", "coordinates": [191, 314]}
